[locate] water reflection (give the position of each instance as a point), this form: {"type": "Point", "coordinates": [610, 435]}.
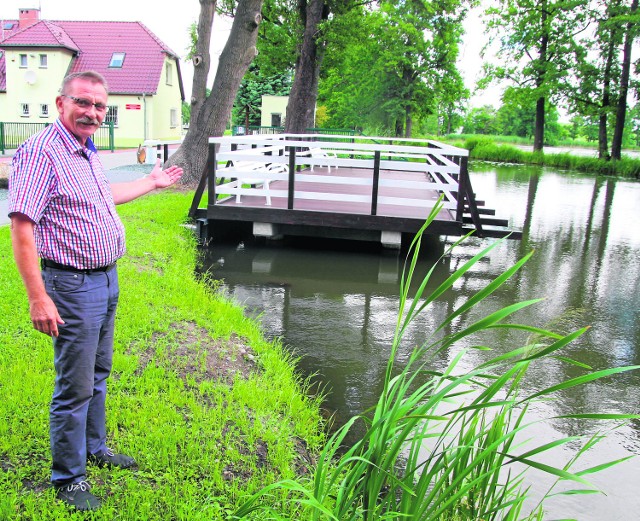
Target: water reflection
{"type": "Point", "coordinates": [337, 309]}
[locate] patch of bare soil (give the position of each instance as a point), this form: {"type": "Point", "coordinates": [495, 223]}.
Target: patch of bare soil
{"type": "Point", "coordinates": [195, 355]}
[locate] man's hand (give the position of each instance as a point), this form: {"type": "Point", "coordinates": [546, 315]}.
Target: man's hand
{"type": "Point", "coordinates": [44, 315]}
{"type": "Point", "coordinates": [165, 178]}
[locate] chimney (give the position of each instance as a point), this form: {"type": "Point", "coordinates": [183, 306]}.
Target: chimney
{"type": "Point", "coordinates": [28, 17]}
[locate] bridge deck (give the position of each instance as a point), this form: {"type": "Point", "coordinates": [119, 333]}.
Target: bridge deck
{"type": "Point", "coordinates": [423, 198]}
{"type": "Point", "coordinates": [297, 185]}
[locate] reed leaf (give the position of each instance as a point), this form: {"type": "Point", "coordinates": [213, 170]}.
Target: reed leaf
{"type": "Point", "coordinates": [441, 444]}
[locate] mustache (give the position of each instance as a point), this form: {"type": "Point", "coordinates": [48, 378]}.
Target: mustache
{"type": "Point", "coordinates": [85, 120]}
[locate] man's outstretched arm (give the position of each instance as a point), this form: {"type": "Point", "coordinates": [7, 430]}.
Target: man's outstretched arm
{"type": "Point", "coordinates": [158, 178]}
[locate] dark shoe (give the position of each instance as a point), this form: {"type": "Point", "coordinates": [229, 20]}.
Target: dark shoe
{"type": "Point", "coordinates": [77, 495]}
{"type": "Point", "coordinates": [109, 459]}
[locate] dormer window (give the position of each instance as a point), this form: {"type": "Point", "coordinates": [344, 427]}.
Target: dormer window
{"type": "Point", "coordinates": [117, 59]}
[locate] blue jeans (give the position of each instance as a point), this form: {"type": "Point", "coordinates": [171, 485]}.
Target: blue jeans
{"type": "Point", "coordinates": [83, 354]}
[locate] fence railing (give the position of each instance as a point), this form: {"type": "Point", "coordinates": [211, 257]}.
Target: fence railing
{"type": "Point", "coordinates": [12, 135]}
{"type": "Point", "coordinates": [257, 129]}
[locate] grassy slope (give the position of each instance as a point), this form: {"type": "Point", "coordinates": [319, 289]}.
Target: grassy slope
{"type": "Point", "coordinates": [203, 436]}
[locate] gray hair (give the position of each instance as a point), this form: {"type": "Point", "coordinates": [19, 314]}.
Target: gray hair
{"type": "Point", "coordinates": [92, 76]}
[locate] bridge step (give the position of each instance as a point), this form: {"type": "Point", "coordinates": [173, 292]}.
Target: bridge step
{"type": "Point", "coordinates": [487, 221]}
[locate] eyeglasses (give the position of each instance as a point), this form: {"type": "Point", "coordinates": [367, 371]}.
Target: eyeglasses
{"type": "Point", "coordinates": [85, 103]}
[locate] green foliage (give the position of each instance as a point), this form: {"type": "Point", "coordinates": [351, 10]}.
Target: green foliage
{"type": "Point", "coordinates": [203, 435]}
{"type": "Point", "coordinates": [484, 148]}
{"type": "Point", "coordinates": [445, 445]}
{"type": "Point", "coordinates": [403, 71]}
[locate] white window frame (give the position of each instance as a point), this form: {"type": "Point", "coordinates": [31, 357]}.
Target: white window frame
{"type": "Point", "coordinates": [112, 115]}
{"type": "Point", "coordinates": [117, 60]}
{"type": "Point", "coordinates": [168, 73]}
{"type": "Point", "coordinates": [174, 121]}
{"type": "Point", "coordinates": [24, 61]}
{"type": "Point", "coordinates": [44, 61]}
{"type": "Point", "coordinates": [25, 111]}
{"type": "Point", "coordinates": [44, 110]}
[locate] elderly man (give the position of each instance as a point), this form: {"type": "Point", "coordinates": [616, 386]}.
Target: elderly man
{"type": "Point", "coordinates": [66, 238]}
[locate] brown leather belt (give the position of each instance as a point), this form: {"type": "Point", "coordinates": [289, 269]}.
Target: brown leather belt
{"type": "Point", "coordinates": [46, 263]}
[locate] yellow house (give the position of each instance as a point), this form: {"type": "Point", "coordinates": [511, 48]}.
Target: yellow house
{"type": "Point", "coordinates": [274, 110]}
{"type": "Point", "coordinates": [143, 74]}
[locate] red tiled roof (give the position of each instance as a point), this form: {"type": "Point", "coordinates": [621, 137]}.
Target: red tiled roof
{"type": "Point", "coordinates": [93, 44]}
{"type": "Point", "coordinates": [41, 34]}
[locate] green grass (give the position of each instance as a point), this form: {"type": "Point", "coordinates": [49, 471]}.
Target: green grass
{"type": "Point", "coordinates": [209, 409]}
{"type": "Point", "coordinates": [483, 148]}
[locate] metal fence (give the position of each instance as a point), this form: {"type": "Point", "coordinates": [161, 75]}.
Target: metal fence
{"type": "Point", "coordinates": [12, 135]}
{"type": "Point", "coordinates": [256, 129]}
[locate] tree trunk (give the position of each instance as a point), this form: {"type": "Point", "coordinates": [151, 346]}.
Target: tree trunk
{"type": "Point", "coordinates": [399, 127]}
{"type": "Point", "coordinates": [603, 140]}
{"type": "Point", "coordinates": [538, 133]}
{"type": "Point", "coordinates": [202, 58]}
{"type": "Point", "coordinates": [304, 91]}
{"type": "Point", "coordinates": [212, 118]}
{"type": "Point", "coordinates": [409, 122]}
{"type": "Point", "coordinates": [621, 112]}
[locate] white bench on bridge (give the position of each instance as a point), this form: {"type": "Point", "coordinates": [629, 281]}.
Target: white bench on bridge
{"type": "Point", "coordinates": [319, 155]}
{"type": "Point", "coordinates": [252, 173]}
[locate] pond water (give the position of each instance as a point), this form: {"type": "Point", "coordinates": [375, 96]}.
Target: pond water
{"type": "Point", "coordinates": [336, 310]}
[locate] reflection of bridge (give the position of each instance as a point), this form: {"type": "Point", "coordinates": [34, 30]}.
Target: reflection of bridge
{"type": "Point", "coordinates": [332, 186]}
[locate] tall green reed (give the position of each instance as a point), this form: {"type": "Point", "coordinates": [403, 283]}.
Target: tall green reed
{"type": "Point", "coordinates": [443, 445]}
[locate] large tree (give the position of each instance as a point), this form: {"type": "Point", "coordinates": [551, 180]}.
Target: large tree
{"type": "Point", "coordinates": [631, 32]}
{"type": "Point", "coordinates": [209, 115]}
{"type": "Point", "coordinates": [304, 92]}
{"type": "Point", "coordinates": [536, 40]}
{"type": "Point", "coordinates": [391, 67]}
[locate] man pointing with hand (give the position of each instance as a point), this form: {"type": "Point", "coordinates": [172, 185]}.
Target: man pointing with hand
{"type": "Point", "coordinates": [67, 238]}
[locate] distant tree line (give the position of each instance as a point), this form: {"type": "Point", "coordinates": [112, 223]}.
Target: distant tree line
{"type": "Point", "coordinates": [390, 67]}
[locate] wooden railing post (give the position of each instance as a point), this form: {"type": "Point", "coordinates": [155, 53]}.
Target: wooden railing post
{"type": "Point", "coordinates": [208, 175]}
{"type": "Point", "coordinates": [463, 178]}
{"type": "Point", "coordinates": [376, 182]}
{"type": "Point", "coordinates": [292, 176]}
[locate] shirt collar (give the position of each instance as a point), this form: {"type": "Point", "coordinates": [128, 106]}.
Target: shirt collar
{"type": "Point", "coordinates": [70, 140]}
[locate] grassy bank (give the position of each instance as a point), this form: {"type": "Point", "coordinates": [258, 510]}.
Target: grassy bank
{"type": "Point", "coordinates": [487, 150]}
{"type": "Point", "coordinates": [209, 409]}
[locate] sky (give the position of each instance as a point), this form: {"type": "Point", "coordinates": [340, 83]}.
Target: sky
{"type": "Point", "coordinates": [170, 21]}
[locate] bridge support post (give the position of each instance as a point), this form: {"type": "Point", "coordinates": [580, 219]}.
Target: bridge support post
{"type": "Point", "coordinates": [391, 240]}
{"type": "Point", "coordinates": [268, 230]}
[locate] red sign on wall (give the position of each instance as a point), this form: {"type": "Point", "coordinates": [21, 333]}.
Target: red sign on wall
{"type": "Point", "coordinates": [133, 107]}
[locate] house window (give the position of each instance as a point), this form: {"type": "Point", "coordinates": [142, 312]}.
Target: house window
{"type": "Point", "coordinates": [44, 110]}
{"type": "Point", "coordinates": [168, 73]}
{"type": "Point", "coordinates": [24, 110]}
{"type": "Point", "coordinates": [112, 115]}
{"type": "Point", "coordinates": [117, 59]}
{"type": "Point", "coordinates": [44, 63]}
{"type": "Point", "coordinates": [276, 120]}
{"type": "Point", "coordinates": [173, 117]}
{"type": "Point", "coordinates": [23, 61]}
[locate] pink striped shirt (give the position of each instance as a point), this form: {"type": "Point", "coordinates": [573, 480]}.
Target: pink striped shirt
{"type": "Point", "coordinates": [60, 185]}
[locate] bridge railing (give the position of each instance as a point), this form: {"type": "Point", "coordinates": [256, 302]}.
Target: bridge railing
{"type": "Point", "coordinates": [443, 168]}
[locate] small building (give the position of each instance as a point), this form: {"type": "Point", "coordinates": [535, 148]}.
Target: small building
{"type": "Point", "coordinates": [143, 74]}
{"type": "Point", "coordinates": [273, 111]}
